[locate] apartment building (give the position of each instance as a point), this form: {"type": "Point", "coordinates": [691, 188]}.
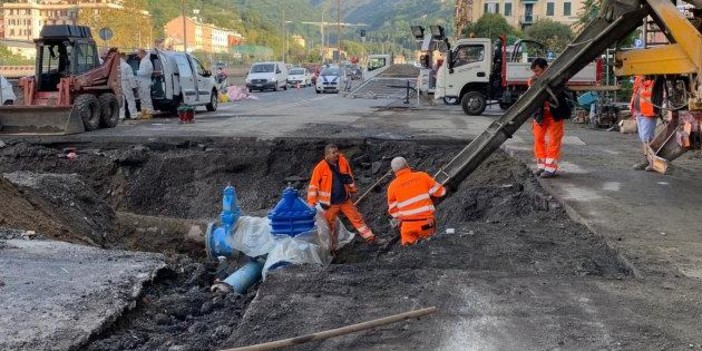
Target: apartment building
{"type": "Point", "coordinates": [23, 20]}
{"type": "Point", "coordinates": [199, 36]}
{"type": "Point", "coordinates": [522, 13]}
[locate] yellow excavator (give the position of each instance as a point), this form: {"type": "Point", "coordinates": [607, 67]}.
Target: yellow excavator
{"type": "Point", "coordinates": [71, 91]}
{"type": "Point", "coordinates": [677, 67]}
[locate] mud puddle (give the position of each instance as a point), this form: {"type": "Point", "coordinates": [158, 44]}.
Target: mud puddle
{"type": "Point", "coordinates": [503, 222]}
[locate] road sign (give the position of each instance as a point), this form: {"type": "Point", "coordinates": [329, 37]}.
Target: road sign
{"type": "Point", "coordinates": [638, 43]}
{"type": "Point", "coordinates": [105, 33]}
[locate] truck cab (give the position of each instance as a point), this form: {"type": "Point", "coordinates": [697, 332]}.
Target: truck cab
{"type": "Point", "coordinates": [377, 63]}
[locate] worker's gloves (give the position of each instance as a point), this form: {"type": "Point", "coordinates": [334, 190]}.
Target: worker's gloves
{"type": "Point", "coordinates": [321, 207]}
{"type": "Point", "coordinates": [394, 222]}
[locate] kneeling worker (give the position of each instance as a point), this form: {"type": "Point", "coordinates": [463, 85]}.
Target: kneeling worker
{"type": "Point", "coordinates": [410, 203]}
{"type": "Point", "coordinates": [331, 187]}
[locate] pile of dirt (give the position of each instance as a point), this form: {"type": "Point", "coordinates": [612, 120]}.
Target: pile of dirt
{"type": "Point", "coordinates": [178, 312]}
{"type": "Point", "coordinates": [400, 71]}
{"type": "Point", "coordinates": [60, 206]}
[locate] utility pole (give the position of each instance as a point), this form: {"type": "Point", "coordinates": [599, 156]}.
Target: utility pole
{"type": "Point", "coordinates": [282, 29]}
{"type": "Point", "coordinates": [185, 37]}
{"type": "Point", "coordinates": [338, 29]}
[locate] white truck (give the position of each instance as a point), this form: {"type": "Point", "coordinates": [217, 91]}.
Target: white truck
{"type": "Point", "coordinates": [179, 78]}
{"type": "Point", "coordinates": [377, 63]}
{"type": "Point", "coordinates": [477, 72]}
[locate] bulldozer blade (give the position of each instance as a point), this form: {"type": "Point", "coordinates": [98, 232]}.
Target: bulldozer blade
{"type": "Point", "coordinates": [40, 120]}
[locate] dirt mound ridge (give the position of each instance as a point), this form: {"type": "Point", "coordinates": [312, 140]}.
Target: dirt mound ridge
{"type": "Point", "coordinates": [400, 71]}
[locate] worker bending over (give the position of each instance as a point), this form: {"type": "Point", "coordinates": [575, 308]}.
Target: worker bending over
{"type": "Point", "coordinates": [146, 69]}
{"type": "Point", "coordinates": [331, 188]}
{"type": "Point", "coordinates": [643, 110]}
{"type": "Point", "coordinates": [548, 127]}
{"type": "Point", "coordinates": [410, 203]}
{"type": "Point", "coordinates": [128, 84]}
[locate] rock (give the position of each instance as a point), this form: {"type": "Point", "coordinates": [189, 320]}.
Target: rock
{"type": "Point", "coordinates": [2, 144]}
{"type": "Point", "coordinates": [375, 167]}
{"type": "Point", "coordinates": [178, 348]}
{"type": "Point", "coordinates": [162, 319]}
{"type": "Point", "coordinates": [222, 332]}
{"type": "Point", "coordinates": [206, 307]}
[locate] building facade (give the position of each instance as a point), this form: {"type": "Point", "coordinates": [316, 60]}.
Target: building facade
{"type": "Point", "coordinates": [523, 13]}
{"type": "Point", "coordinates": [199, 36]}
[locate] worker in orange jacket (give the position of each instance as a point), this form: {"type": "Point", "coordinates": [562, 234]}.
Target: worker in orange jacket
{"type": "Point", "coordinates": [331, 188]}
{"type": "Point", "coordinates": [410, 203]}
{"type": "Point", "coordinates": [548, 127]}
{"type": "Point", "coordinates": [643, 110]}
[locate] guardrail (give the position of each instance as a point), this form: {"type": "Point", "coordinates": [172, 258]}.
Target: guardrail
{"type": "Point", "coordinates": [16, 71]}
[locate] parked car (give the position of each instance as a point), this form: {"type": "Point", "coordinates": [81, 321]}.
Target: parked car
{"type": "Point", "coordinates": [267, 75]}
{"type": "Point", "coordinates": [178, 78]}
{"type": "Point", "coordinates": [299, 75]}
{"type": "Point", "coordinates": [7, 96]}
{"type": "Point", "coordinates": [331, 79]}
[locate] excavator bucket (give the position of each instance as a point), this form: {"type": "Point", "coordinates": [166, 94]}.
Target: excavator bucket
{"type": "Point", "coordinates": [40, 120]}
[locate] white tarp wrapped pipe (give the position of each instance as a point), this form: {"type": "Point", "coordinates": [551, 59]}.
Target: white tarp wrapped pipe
{"type": "Point", "coordinates": [252, 236]}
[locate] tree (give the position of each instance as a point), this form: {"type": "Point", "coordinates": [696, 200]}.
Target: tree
{"type": "Point", "coordinates": [490, 25]}
{"type": "Point", "coordinates": [556, 36]}
{"type": "Point", "coordinates": [588, 12]}
{"type": "Point", "coordinates": [127, 24]}
{"type": "Point", "coordinates": [7, 58]}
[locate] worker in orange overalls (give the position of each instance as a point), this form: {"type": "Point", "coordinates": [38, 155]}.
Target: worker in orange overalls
{"type": "Point", "coordinates": [331, 189]}
{"type": "Point", "coordinates": [409, 201]}
{"type": "Point", "coordinates": [548, 127]}
{"type": "Point", "coordinates": [643, 110]}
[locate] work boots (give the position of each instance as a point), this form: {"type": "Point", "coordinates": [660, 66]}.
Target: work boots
{"type": "Point", "coordinates": [641, 166]}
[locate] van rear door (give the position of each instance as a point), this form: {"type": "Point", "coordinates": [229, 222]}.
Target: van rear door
{"type": "Point", "coordinates": [188, 82]}
{"type": "Point", "coordinates": [203, 80]}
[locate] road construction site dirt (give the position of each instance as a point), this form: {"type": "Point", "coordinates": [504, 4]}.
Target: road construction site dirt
{"type": "Point", "coordinates": [510, 239]}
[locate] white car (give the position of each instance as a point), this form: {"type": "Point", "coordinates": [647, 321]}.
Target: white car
{"type": "Point", "coordinates": [7, 96]}
{"type": "Point", "coordinates": [267, 75]}
{"type": "Point", "coordinates": [331, 79]}
{"type": "Point", "coordinates": [299, 75]}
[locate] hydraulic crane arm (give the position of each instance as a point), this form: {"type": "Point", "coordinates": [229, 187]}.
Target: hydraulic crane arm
{"type": "Point", "coordinates": [616, 19]}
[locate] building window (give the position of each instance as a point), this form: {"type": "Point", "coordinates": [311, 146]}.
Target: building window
{"type": "Point", "coordinates": [508, 9]}
{"type": "Point", "coordinates": [492, 7]}
{"type": "Point", "coordinates": [566, 9]}
{"type": "Point", "coordinates": [550, 7]}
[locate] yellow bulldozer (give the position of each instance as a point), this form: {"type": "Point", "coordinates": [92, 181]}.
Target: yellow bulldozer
{"type": "Point", "coordinates": [71, 91]}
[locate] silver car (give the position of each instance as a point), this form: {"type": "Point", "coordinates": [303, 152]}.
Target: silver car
{"type": "Point", "coordinates": [331, 79]}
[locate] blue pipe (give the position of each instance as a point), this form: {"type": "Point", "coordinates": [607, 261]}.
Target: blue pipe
{"type": "Point", "coordinates": [245, 277]}
{"type": "Point", "coordinates": [216, 236]}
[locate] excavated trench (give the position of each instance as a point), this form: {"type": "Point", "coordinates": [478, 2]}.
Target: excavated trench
{"type": "Point", "coordinates": [503, 223]}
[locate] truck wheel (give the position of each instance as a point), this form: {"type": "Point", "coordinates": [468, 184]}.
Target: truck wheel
{"type": "Point", "coordinates": [212, 106]}
{"type": "Point", "coordinates": [109, 110]}
{"type": "Point", "coordinates": [473, 103]}
{"type": "Point", "coordinates": [285, 87]}
{"type": "Point", "coordinates": [88, 107]}
{"type": "Point", "coordinates": [451, 101]}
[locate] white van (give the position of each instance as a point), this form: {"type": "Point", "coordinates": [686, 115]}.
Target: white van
{"type": "Point", "coordinates": [267, 75]}
{"type": "Point", "coordinates": [179, 78]}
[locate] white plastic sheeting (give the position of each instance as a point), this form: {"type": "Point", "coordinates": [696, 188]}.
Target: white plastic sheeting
{"type": "Point", "coordinates": [236, 93]}
{"type": "Point", "coordinates": [252, 236]}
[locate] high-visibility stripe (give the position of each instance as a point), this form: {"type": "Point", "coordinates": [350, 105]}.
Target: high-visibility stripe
{"type": "Point", "coordinates": [395, 214]}
{"type": "Point", "coordinates": [392, 205]}
{"type": "Point", "coordinates": [417, 210]}
{"type": "Point", "coordinates": [364, 231]}
{"type": "Point", "coordinates": [550, 169]}
{"type": "Point", "coordinates": [412, 200]}
{"type": "Point", "coordinates": [442, 192]}
{"type": "Point", "coordinates": [436, 187]}
{"type": "Point", "coordinates": [324, 193]}
{"type": "Point", "coordinates": [312, 186]}
{"type": "Point", "coordinates": [550, 160]}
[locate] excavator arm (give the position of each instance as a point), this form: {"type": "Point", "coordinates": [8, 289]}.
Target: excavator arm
{"type": "Point", "coordinates": [616, 20]}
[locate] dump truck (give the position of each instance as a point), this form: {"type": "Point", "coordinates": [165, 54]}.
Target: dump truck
{"type": "Point", "coordinates": [71, 91]}
{"type": "Point", "coordinates": [677, 91]}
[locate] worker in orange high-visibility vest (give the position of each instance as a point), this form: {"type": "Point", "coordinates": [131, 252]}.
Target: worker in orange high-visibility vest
{"type": "Point", "coordinates": [643, 110]}
{"type": "Point", "coordinates": [410, 203]}
{"type": "Point", "coordinates": [548, 127]}
{"type": "Point", "coordinates": [331, 189]}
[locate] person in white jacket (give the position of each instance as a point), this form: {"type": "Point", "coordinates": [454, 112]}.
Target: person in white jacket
{"type": "Point", "coordinates": [128, 84]}
{"type": "Point", "coordinates": [146, 68]}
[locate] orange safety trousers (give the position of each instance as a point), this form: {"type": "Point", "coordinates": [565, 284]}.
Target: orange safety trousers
{"type": "Point", "coordinates": [412, 231]}
{"type": "Point", "coordinates": [351, 212]}
{"type": "Point", "coordinates": [547, 142]}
